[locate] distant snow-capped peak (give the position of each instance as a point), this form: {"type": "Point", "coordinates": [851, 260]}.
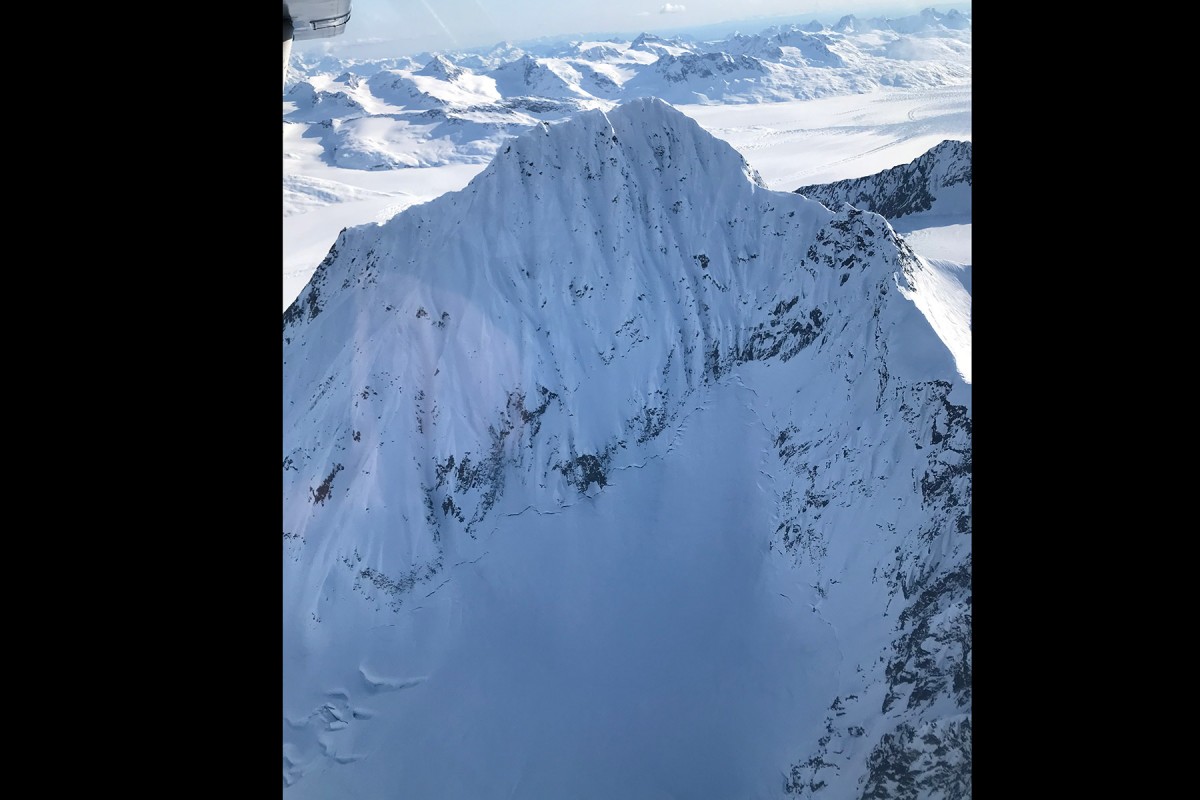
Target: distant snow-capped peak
{"type": "Point", "coordinates": [441, 67]}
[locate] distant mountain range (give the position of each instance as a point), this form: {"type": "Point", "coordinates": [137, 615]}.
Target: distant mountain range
{"type": "Point", "coordinates": [389, 114]}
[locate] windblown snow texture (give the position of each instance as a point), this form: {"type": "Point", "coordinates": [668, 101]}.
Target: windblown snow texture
{"type": "Point", "coordinates": [938, 182]}
{"type": "Point", "coordinates": [616, 474]}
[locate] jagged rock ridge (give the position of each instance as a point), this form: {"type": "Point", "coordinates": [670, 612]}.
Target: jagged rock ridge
{"type": "Point", "coordinates": [937, 181]}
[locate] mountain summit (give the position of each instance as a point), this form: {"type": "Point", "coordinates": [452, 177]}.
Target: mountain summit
{"type": "Point", "coordinates": [616, 474]}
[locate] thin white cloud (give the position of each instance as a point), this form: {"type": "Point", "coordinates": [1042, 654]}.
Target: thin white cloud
{"type": "Point", "coordinates": [671, 8]}
{"type": "Point", "coordinates": [442, 24]}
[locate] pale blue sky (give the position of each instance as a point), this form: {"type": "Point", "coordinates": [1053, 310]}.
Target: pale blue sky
{"type": "Point", "coordinates": [382, 28]}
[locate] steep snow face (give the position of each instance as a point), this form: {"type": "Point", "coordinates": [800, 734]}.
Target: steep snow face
{"type": "Point", "coordinates": [617, 474]}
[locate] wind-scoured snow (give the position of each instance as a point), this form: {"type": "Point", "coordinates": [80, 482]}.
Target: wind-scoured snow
{"type": "Point", "coordinates": [616, 473]}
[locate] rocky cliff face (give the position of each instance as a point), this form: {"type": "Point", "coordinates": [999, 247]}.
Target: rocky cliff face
{"type": "Point", "coordinates": [936, 182]}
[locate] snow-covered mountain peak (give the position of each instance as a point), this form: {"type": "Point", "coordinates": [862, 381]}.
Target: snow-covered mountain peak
{"type": "Point", "coordinates": [581, 234]}
{"type": "Point", "coordinates": [956, 20]}
{"type": "Point", "coordinates": [848, 24]}
{"type": "Point", "coordinates": [549, 78]}
{"type": "Point", "coordinates": [609, 427]}
{"type": "Point", "coordinates": [644, 144]}
{"type": "Point", "coordinates": [442, 68]}
{"type": "Point", "coordinates": [659, 46]}
{"type": "Point", "coordinates": [642, 39]}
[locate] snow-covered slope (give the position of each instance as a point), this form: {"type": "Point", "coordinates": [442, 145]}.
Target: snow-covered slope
{"type": "Point", "coordinates": [696, 78]}
{"type": "Point", "coordinates": [616, 474]}
{"type": "Point", "coordinates": [491, 58]}
{"type": "Point", "coordinates": [659, 46]}
{"type": "Point", "coordinates": [789, 45]}
{"type": "Point", "coordinates": [929, 201]}
{"type": "Point", "coordinates": [937, 182]}
{"type": "Point", "coordinates": [532, 77]}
